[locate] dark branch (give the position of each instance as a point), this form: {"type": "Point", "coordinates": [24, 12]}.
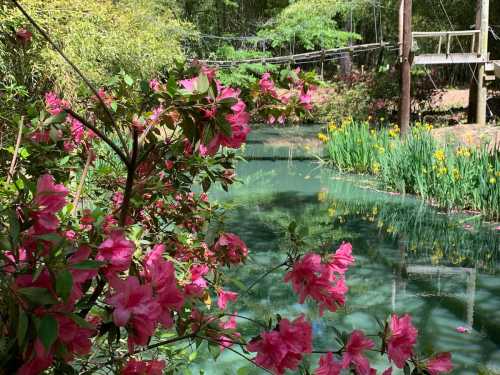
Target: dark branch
{"type": "Point", "coordinates": [100, 134]}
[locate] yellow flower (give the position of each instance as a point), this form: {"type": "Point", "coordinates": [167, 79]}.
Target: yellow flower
{"type": "Point", "coordinates": [376, 168]}
{"type": "Point", "coordinates": [382, 119]}
{"type": "Point", "coordinates": [463, 151]}
{"type": "Point", "coordinates": [437, 256]}
{"type": "Point", "coordinates": [442, 171]}
{"type": "Point", "coordinates": [331, 212]}
{"type": "Point", "coordinates": [493, 180]}
{"type": "Point", "coordinates": [456, 174]}
{"type": "Point", "coordinates": [332, 127]}
{"type": "Point", "coordinates": [439, 155]}
{"type": "Point", "coordinates": [370, 118]}
{"type": "Point", "coordinates": [322, 196]}
{"type": "Point", "coordinates": [322, 137]}
{"type": "Point", "coordinates": [373, 132]}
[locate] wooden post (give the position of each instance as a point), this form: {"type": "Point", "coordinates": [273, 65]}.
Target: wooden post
{"type": "Point", "coordinates": [482, 91]}
{"type": "Point", "coordinates": [405, 98]}
{"type": "Point", "coordinates": [400, 25]}
{"type": "Point", "coordinates": [472, 109]}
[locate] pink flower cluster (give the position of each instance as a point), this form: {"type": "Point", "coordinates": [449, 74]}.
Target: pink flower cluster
{"type": "Point", "coordinates": [141, 307]}
{"type": "Point", "coordinates": [56, 105]}
{"type": "Point", "coordinates": [284, 347]}
{"type": "Point", "coordinates": [134, 367]}
{"type": "Point", "coordinates": [324, 282]}
{"type": "Point", "coordinates": [230, 249]}
{"type": "Point", "coordinates": [237, 118]}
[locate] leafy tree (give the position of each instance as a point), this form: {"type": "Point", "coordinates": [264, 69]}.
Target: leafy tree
{"type": "Point", "coordinates": [310, 25]}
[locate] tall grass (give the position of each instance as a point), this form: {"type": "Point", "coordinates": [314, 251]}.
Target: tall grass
{"type": "Point", "coordinates": [450, 176]}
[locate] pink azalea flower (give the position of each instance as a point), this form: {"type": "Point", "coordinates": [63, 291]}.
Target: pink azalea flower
{"type": "Point", "coordinates": [77, 130]}
{"type": "Point", "coordinates": [209, 72]}
{"type": "Point", "coordinates": [40, 136]}
{"type": "Point", "coordinates": [440, 364]}
{"type": "Point", "coordinates": [281, 119]}
{"type": "Point", "coordinates": [230, 249]}
{"type": "Point", "coordinates": [225, 340]}
{"type": "Point", "coordinates": [354, 349]}
{"type": "Point", "coordinates": [198, 283]}
{"type": "Point", "coordinates": [463, 329]}
{"type": "Point", "coordinates": [135, 308]}
{"type": "Point", "coordinates": [266, 85]}
{"type": "Point", "coordinates": [156, 115]}
{"type": "Point", "coordinates": [54, 104]}
{"type": "Point", "coordinates": [271, 120]}
{"type": "Point", "coordinates": [387, 371]}
{"type": "Point", "coordinates": [117, 251]}
{"type": "Point", "coordinates": [161, 274]}
{"type": "Point", "coordinates": [342, 259]}
{"type": "Point", "coordinates": [328, 365]}
{"type": "Point", "coordinates": [134, 367]}
{"type": "Point", "coordinates": [305, 100]}
{"type": "Point", "coordinates": [23, 35]}
{"type": "Point", "coordinates": [311, 278]}
{"type": "Point", "coordinates": [104, 96]}
{"type": "Point", "coordinates": [76, 339]}
{"type": "Point", "coordinates": [36, 361]}
{"type": "Point", "coordinates": [402, 339]}
{"type": "Point", "coordinates": [224, 297]}
{"type": "Point", "coordinates": [189, 84]}
{"type": "Point", "coordinates": [50, 197]}
{"type": "Point", "coordinates": [283, 349]}
{"type": "Point", "coordinates": [154, 85]}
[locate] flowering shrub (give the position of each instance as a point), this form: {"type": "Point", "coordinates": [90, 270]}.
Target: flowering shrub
{"type": "Point", "coordinates": [93, 285]}
{"type": "Point", "coordinates": [280, 105]}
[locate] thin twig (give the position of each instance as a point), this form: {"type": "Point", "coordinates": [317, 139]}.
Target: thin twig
{"type": "Point", "coordinates": [236, 352]}
{"type": "Point", "coordinates": [86, 168]}
{"type": "Point", "coordinates": [265, 275]}
{"type": "Point", "coordinates": [101, 135]}
{"type": "Point", "coordinates": [127, 195]}
{"type": "Point", "coordinates": [16, 151]}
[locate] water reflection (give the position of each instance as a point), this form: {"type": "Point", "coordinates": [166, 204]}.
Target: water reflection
{"type": "Point", "coordinates": [410, 258]}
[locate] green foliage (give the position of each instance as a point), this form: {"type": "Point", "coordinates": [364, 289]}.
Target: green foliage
{"type": "Point", "coordinates": [243, 75]}
{"type": "Point", "coordinates": [449, 176]}
{"type": "Point", "coordinates": [309, 24]}
{"type": "Point", "coordinates": [100, 37]}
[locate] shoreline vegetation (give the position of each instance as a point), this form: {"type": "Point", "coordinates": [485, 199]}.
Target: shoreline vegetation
{"type": "Point", "coordinates": [448, 176]}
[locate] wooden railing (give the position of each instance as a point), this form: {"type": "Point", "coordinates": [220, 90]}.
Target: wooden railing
{"type": "Point", "coordinates": [444, 53]}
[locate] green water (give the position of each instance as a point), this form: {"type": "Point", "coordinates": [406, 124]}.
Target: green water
{"type": "Point", "coordinates": [409, 258]}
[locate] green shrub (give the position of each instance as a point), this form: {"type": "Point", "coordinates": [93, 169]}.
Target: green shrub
{"type": "Point", "coordinates": [100, 37]}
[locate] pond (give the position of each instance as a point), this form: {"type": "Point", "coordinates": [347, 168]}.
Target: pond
{"type": "Point", "coordinates": [410, 258]}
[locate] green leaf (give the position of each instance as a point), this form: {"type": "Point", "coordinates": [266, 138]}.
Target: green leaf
{"type": "Point", "coordinates": [64, 283]}
{"type": "Point", "coordinates": [128, 80]}
{"type": "Point", "coordinates": [56, 119]}
{"type": "Point", "coordinates": [39, 296]}
{"type": "Point", "coordinates": [114, 106]}
{"type": "Point", "coordinates": [22, 326]}
{"type": "Point", "coordinates": [87, 265]}
{"type": "Point", "coordinates": [407, 369]}
{"type": "Point", "coordinates": [242, 371]}
{"type": "Point", "coordinates": [64, 160]}
{"type": "Point", "coordinates": [14, 228]}
{"type": "Point", "coordinates": [48, 331]}
{"type": "Point", "coordinates": [202, 83]}
{"type": "Point", "coordinates": [80, 321]}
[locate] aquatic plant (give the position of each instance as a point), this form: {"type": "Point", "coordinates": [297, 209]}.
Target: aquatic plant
{"type": "Point", "coordinates": [450, 176]}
